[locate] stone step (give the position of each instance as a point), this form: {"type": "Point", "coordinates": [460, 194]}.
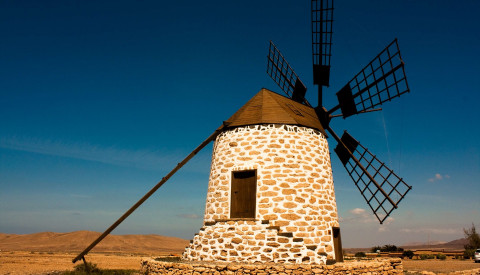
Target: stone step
{"type": "Point", "coordinates": [297, 240]}
{"type": "Point", "coordinates": [210, 223]}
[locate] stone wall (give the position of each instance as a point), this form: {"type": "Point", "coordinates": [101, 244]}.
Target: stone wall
{"type": "Point", "coordinates": [295, 201]}
{"type": "Point", "coordinates": [376, 266]}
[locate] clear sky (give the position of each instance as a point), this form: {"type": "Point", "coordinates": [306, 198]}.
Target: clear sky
{"type": "Point", "coordinates": [100, 99]}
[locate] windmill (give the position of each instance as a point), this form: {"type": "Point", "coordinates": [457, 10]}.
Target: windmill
{"type": "Point", "coordinates": [270, 196]}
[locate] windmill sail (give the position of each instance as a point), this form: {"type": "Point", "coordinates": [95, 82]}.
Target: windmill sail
{"type": "Point", "coordinates": [322, 18]}
{"type": "Point", "coordinates": [381, 80]}
{"type": "Point", "coordinates": [285, 77]}
{"type": "Point", "coordinates": [379, 185]}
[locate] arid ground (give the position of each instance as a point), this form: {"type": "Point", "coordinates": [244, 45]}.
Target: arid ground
{"type": "Point", "coordinates": [22, 262]}
{"type": "Point", "coordinates": [44, 253]}
{"type": "Point", "coordinates": [439, 266]}
{"type": "Point", "coordinates": [41, 253]}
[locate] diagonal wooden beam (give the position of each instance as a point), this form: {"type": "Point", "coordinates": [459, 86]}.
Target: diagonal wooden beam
{"type": "Point", "coordinates": [146, 196]}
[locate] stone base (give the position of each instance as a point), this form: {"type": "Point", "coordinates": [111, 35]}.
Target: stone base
{"type": "Point", "coordinates": [255, 242]}
{"type": "Point", "coordinates": [375, 266]}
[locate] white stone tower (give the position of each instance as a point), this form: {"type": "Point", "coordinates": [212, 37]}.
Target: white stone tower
{"type": "Point", "coordinates": [270, 194]}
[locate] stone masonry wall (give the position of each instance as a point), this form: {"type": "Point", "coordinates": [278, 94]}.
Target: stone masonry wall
{"type": "Point", "coordinates": [373, 267]}
{"type": "Point", "coordinates": [295, 200]}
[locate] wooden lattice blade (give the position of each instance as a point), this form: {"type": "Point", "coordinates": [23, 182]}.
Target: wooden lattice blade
{"type": "Point", "coordinates": [285, 77]}
{"type": "Point", "coordinates": [379, 185]}
{"type": "Point", "coordinates": [322, 19]}
{"type": "Point", "coordinates": [381, 80]}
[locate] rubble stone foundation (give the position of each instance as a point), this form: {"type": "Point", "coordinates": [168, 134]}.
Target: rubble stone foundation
{"type": "Point", "coordinates": [377, 266]}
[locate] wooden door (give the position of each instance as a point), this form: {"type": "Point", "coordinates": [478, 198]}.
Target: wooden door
{"type": "Point", "coordinates": [243, 194]}
{"type": "Point", "coordinates": [337, 244]}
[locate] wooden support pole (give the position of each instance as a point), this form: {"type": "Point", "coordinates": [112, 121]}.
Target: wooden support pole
{"type": "Point", "coordinates": [146, 196]}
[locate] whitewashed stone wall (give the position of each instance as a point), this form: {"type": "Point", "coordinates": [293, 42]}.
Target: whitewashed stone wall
{"type": "Point", "coordinates": [295, 204]}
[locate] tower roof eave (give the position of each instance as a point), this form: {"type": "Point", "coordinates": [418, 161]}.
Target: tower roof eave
{"type": "Point", "coordinates": [267, 107]}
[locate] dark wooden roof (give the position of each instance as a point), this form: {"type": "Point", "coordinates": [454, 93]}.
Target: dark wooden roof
{"type": "Point", "coordinates": [268, 107]}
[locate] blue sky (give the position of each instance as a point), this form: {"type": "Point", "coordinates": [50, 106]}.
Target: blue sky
{"type": "Point", "coordinates": [100, 99]}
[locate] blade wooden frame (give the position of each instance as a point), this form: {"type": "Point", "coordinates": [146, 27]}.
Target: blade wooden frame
{"type": "Point", "coordinates": [285, 77]}
{"type": "Point", "coordinates": [381, 80]}
{"type": "Point", "coordinates": [322, 19]}
{"type": "Point", "coordinates": [381, 188]}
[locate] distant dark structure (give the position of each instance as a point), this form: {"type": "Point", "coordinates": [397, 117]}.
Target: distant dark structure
{"type": "Point", "coordinates": [271, 195]}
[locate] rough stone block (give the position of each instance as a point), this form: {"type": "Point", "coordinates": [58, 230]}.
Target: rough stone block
{"type": "Point", "coordinates": [291, 217]}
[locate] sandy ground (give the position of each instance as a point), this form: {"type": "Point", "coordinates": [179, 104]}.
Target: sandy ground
{"type": "Point", "coordinates": [79, 240]}
{"type": "Point", "coordinates": [43, 263]}
{"type": "Point", "coordinates": [439, 266]}
{"type": "Point", "coordinates": [45, 252]}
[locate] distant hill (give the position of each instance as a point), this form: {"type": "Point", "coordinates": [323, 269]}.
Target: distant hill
{"type": "Point", "coordinates": [436, 245]}
{"type": "Point", "coordinates": [452, 245]}
{"type": "Point", "coordinates": [423, 243]}
{"type": "Point", "coordinates": [77, 241]}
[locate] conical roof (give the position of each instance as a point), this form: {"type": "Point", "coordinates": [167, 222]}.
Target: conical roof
{"type": "Point", "coordinates": [269, 107]}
